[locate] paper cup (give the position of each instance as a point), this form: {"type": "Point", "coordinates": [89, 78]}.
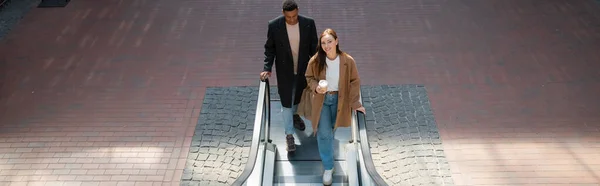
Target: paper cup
{"type": "Point", "coordinates": [323, 84]}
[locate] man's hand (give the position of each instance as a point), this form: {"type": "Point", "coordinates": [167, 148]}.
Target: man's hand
{"type": "Point", "coordinates": [264, 75]}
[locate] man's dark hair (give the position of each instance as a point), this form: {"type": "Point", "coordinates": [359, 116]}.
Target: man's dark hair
{"type": "Point", "coordinates": [289, 5]}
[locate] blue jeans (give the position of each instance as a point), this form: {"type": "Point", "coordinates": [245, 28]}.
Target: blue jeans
{"type": "Point", "coordinates": [288, 113]}
{"type": "Point", "coordinates": [325, 133]}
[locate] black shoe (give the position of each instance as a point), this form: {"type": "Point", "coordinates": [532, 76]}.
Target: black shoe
{"type": "Point", "coordinates": [299, 123]}
{"type": "Point", "coordinates": [290, 144]}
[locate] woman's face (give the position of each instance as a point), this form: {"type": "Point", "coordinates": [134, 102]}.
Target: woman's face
{"type": "Point", "coordinates": [329, 44]}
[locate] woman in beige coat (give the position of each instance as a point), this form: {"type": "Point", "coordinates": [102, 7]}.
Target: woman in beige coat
{"type": "Point", "coordinates": [331, 104]}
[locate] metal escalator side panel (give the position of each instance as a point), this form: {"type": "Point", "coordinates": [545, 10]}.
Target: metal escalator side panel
{"type": "Point", "coordinates": [269, 164]}
{"type": "Point", "coordinates": [365, 178]}
{"type": "Point", "coordinates": [351, 164]}
{"type": "Point", "coordinates": [352, 173]}
{"type": "Point", "coordinates": [256, 177]}
{"type": "Point", "coordinates": [366, 151]}
{"type": "Point", "coordinates": [256, 134]}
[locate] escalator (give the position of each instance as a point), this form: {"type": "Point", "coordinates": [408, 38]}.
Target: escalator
{"type": "Point", "coordinates": [270, 164]}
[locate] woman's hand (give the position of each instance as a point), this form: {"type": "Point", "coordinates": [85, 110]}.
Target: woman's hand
{"type": "Point", "coordinates": [321, 90]}
{"type": "Point", "coordinates": [361, 109]}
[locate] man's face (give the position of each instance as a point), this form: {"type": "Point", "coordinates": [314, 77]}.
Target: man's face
{"type": "Point", "coordinates": [291, 17]}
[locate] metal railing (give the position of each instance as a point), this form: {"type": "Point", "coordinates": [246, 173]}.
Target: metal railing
{"type": "Point", "coordinates": [352, 154]}
{"type": "Point", "coordinates": [367, 160]}
{"type": "Point", "coordinates": [364, 171]}
{"type": "Point", "coordinates": [260, 134]}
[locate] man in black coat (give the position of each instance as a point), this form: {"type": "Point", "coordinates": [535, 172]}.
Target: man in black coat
{"type": "Point", "coordinates": [291, 41]}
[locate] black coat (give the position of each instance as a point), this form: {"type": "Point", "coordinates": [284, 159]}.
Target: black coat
{"type": "Point", "coordinates": [278, 50]}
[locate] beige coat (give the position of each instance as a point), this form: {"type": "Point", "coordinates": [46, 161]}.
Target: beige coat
{"type": "Point", "coordinates": [348, 93]}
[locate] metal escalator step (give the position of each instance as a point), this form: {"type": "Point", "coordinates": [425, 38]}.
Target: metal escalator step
{"type": "Point", "coordinates": [306, 144]}
{"type": "Point", "coordinates": [306, 172]}
{"type": "Point", "coordinates": [307, 184]}
{"type": "Point", "coordinates": [338, 179]}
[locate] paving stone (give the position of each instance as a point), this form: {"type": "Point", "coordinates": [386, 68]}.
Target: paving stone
{"type": "Point", "coordinates": [188, 183]}
{"type": "Point", "coordinates": [500, 51]}
{"type": "Point", "coordinates": [404, 134]}
{"type": "Point", "coordinates": [218, 149]}
{"type": "Point", "coordinates": [404, 138]}
{"type": "Point", "coordinates": [186, 176]}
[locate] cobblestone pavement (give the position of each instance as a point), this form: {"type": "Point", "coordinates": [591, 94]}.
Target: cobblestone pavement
{"type": "Point", "coordinates": [223, 135]}
{"type": "Point", "coordinates": [88, 89]}
{"type": "Point", "coordinates": [221, 141]}
{"type": "Point", "coordinates": [12, 12]}
{"type": "Point", "coordinates": [404, 138]}
{"type": "Point", "coordinates": [405, 142]}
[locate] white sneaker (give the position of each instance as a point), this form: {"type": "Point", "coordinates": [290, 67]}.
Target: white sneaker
{"type": "Point", "coordinates": [328, 177]}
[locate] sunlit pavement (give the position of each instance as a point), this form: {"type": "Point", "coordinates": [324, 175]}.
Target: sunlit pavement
{"type": "Point", "coordinates": [109, 92]}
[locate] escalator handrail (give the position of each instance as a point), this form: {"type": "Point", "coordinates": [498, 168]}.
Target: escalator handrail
{"type": "Point", "coordinates": [259, 123]}
{"type": "Point", "coordinates": [365, 148]}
